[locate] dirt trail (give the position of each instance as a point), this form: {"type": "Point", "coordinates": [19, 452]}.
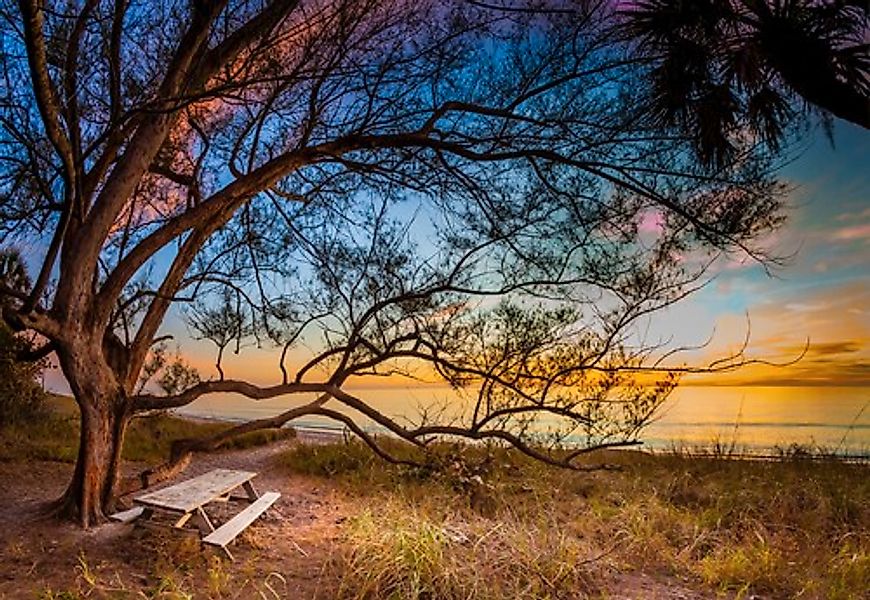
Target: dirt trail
{"type": "Point", "coordinates": [293, 539]}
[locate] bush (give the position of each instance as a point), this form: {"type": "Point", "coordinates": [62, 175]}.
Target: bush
{"type": "Point", "coordinates": [21, 397]}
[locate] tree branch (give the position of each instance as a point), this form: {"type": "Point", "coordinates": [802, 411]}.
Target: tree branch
{"type": "Point", "coordinates": [144, 402]}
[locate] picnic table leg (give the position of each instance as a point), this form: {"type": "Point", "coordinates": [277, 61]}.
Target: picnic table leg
{"type": "Point", "coordinates": [183, 520]}
{"type": "Point", "coordinates": [204, 522]}
{"type": "Point", "coordinates": [228, 553]}
{"type": "Point", "coordinates": [251, 491]}
{"type": "Point", "coordinates": [205, 526]}
{"type": "Point", "coordinates": [146, 515]}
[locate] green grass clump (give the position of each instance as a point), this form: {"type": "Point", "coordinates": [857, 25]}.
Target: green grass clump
{"type": "Point", "coordinates": [332, 459]}
{"type": "Point", "coordinates": [149, 439]}
{"type": "Point", "coordinates": [405, 550]}
{"type": "Point", "coordinates": [177, 570]}
{"type": "Point", "coordinates": [351, 459]}
{"type": "Point", "coordinates": [51, 437]}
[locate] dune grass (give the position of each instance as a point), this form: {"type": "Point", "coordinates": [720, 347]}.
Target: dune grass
{"type": "Point", "coordinates": [173, 575]}
{"type": "Point", "coordinates": [791, 528]}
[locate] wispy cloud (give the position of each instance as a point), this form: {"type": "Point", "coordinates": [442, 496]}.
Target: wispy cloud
{"type": "Point", "coordinates": [802, 307]}
{"type": "Point", "coordinates": [859, 215]}
{"type": "Point", "coordinates": [827, 348]}
{"type": "Point", "coordinates": [854, 232]}
{"type": "Point", "coordinates": [845, 347]}
{"type": "Point", "coordinates": [825, 327]}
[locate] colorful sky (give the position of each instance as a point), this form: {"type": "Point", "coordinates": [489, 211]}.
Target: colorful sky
{"type": "Point", "coordinates": [821, 297]}
{"type": "Point", "coordinates": [822, 294]}
{"type": "Point", "coordinates": [817, 304]}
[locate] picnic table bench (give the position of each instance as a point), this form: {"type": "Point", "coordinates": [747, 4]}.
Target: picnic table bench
{"type": "Point", "coordinates": [187, 500]}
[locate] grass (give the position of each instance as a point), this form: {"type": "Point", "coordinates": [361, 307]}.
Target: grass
{"type": "Point", "coordinates": [173, 575]}
{"type": "Point", "coordinates": [777, 528]}
{"type": "Point", "coordinates": [55, 436]}
{"type": "Point", "coordinates": [402, 550]}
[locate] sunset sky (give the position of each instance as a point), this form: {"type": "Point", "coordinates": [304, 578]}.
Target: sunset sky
{"type": "Point", "coordinates": [821, 294]}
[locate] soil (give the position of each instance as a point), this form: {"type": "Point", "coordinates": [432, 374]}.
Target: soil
{"type": "Point", "coordinates": [286, 553]}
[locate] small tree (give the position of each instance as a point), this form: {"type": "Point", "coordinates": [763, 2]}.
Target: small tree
{"type": "Point", "coordinates": [223, 324]}
{"type": "Point", "coordinates": [21, 396]}
{"type": "Point", "coordinates": [386, 182]}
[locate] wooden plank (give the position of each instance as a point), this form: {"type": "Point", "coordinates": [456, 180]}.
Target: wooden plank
{"type": "Point", "coordinates": [183, 520]}
{"type": "Point", "coordinates": [193, 493]}
{"type": "Point", "coordinates": [227, 532]}
{"type": "Point", "coordinates": [128, 515]}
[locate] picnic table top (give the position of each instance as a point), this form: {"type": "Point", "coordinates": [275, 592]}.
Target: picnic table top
{"type": "Point", "coordinates": [193, 493]}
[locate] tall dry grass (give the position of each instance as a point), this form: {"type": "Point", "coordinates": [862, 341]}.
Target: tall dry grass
{"type": "Point", "coordinates": [782, 529]}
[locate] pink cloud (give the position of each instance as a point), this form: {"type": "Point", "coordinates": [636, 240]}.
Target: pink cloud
{"type": "Point", "coordinates": [855, 232]}
{"type": "Point", "coordinates": [851, 216]}
{"type": "Point", "coordinates": [652, 221]}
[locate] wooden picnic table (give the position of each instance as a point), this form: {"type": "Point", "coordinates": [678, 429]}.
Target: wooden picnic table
{"type": "Point", "coordinates": [188, 497]}
{"type": "Point", "coordinates": [187, 500]}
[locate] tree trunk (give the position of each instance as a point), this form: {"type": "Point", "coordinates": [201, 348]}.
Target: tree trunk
{"type": "Point", "coordinates": [90, 495]}
{"type": "Point", "coordinates": [104, 413]}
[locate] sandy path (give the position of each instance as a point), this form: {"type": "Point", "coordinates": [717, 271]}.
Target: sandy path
{"type": "Point", "coordinates": [292, 539]}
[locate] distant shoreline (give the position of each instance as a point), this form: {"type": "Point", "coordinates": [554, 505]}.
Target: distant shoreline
{"type": "Point", "coordinates": [798, 452]}
{"type": "Point", "coordinates": [721, 448]}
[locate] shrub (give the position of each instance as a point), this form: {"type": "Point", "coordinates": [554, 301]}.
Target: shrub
{"type": "Point", "coordinates": [21, 397]}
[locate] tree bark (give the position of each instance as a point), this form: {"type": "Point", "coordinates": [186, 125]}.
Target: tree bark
{"type": "Point", "coordinates": [104, 413]}
{"type": "Point", "coordinates": [91, 492]}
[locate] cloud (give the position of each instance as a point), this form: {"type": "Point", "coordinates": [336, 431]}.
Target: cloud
{"type": "Point", "coordinates": [802, 307]}
{"type": "Point", "coordinates": [652, 221]}
{"type": "Point", "coordinates": [827, 348]}
{"type": "Point", "coordinates": [816, 349]}
{"type": "Point", "coordinates": [806, 372]}
{"type": "Point", "coordinates": [854, 232]}
{"type": "Point", "coordinates": [860, 215]}
{"type": "Point", "coordinates": [832, 317]}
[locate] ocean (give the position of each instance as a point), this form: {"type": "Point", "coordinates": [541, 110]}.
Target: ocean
{"type": "Point", "coordinates": [752, 420]}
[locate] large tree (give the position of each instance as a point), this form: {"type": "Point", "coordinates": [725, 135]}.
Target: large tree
{"type": "Point", "coordinates": [387, 182]}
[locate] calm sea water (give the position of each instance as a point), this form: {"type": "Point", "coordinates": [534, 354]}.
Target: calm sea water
{"type": "Point", "coordinates": [754, 419]}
